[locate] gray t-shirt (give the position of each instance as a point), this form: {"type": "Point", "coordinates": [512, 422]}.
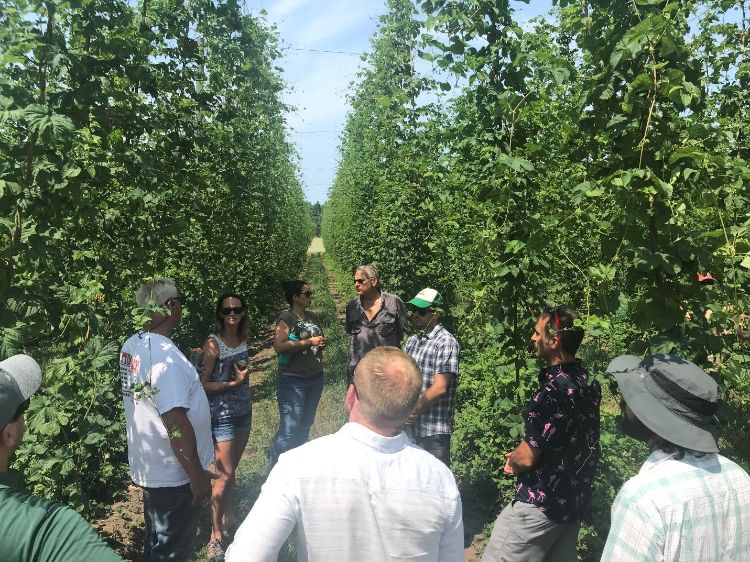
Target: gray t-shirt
{"type": "Point", "coordinates": [385, 328]}
{"type": "Point", "coordinates": [309, 361]}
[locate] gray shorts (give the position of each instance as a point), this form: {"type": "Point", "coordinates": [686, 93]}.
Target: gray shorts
{"type": "Point", "coordinates": [522, 533]}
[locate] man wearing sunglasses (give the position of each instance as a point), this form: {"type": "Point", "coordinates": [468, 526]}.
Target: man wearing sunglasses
{"type": "Point", "coordinates": [555, 462]}
{"type": "Point", "coordinates": [168, 426]}
{"type": "Point", "coordinates": [33, 528]}
{"type": "Point", "coordinates": [373, 318]}
{"type": "Point", "coordinates": [436, 352]}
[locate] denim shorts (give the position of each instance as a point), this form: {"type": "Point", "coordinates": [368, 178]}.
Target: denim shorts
{"type": "Point", "coordinates": [227, 429]}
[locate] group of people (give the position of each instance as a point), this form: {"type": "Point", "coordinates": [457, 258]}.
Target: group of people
{"type": "Point", "coordinates": [381, 488]}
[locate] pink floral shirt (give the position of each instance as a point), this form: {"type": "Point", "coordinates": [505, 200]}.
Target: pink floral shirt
{"type": "Point", "coordinates": [562, 422]}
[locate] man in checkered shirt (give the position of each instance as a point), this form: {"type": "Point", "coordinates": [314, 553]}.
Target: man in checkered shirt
{"type": "Point", "coordinates": [436, 352]}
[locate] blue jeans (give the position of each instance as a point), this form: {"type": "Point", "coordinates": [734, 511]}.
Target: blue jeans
{"type": "Point", "coordinates": [171, 523]}
{"type": "Point", "coordinates": [298, 399]}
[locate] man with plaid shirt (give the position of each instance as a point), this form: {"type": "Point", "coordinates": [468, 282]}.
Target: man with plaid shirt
{"type": "Point", "coordinates": [436, 352]}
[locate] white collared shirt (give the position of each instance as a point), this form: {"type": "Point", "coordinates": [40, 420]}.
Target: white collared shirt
{"type": "Point", "coordinates": [355, 496]}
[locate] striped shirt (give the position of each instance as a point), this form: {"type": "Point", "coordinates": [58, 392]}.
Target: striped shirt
{"type": "Point", "coordinates": [436, 352]}
{"type": "Point", "coordinates": [688, 510]}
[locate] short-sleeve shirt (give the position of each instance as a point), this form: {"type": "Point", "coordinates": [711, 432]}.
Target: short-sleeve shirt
{"type": "Point", "coordinates": [385, 328]}
{"type": "Point", "coordinates": [35, 529]}
{"type": "Point", "coordinates": [436, 352]}
{"type": "Point", "coordinates": [236, 401]}
{"type": "Point", "coordinates": [153, 359]}
{"type": "Point", "coordinates": [562, 423]}
{"type": "Point", "coordinates": [308, 361]}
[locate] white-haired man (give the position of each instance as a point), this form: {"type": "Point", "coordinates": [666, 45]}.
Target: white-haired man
{"type": "Point", "coordinates": [33, 528]}
{"type": "Point", "coordinates": [373, 318]}
{"type": "Point", "coordinates": [364, 493]}
{"type": "Point", "coordinates": [168, 426]}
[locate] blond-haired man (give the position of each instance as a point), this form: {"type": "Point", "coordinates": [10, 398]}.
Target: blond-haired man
{"type": "Point", "coordinates": [364, 493]}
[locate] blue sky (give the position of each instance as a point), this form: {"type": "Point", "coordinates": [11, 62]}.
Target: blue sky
{"type": "Point", "coordinates": [318, 79]}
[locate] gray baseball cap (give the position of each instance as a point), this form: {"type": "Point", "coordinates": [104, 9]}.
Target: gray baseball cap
{"type": "Point", "coordinates": [20, 378]}
{"type": "Point", "coordinates": [673, 397]}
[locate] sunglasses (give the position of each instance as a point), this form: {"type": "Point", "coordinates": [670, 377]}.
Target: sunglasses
{"type": "Point", "coordinates": [308, 294]}
{"type": "Point", "coordinates": [226, 311]}
{"type": "Point", "coordinates": [360, 281]}
{"type": "Point", "coordinates": [421, 311]}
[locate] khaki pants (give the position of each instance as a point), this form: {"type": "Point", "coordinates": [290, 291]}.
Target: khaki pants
{"type": "Point", "coordinates": [522, 533]}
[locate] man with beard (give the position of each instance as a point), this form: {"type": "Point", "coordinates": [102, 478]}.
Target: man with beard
{"type": "Point", "coordinates": [688, 503]}
{"type": "Point", "coordinates": [556, 460]}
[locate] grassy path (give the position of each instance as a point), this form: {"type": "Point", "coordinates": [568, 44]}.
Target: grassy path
{"type": "Point", "coordinates": [331, 413]}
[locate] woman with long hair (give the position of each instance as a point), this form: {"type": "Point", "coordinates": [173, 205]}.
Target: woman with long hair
{"type": "Point", "coordinates": [299, 343]}
{"type": "Point", "coordinates": [225, 378]}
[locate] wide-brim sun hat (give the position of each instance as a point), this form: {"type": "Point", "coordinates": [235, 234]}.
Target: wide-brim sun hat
{"type": "Point", "coordinates": [673, 397]}
{"type": "Point", "coordinates": [427, 298]}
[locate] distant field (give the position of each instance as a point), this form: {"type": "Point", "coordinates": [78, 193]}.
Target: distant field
{"type": "Point", "coordinates": [316, 246]}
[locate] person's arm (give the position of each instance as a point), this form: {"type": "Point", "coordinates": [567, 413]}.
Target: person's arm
{"type": "Point", "coordinates": [633, 535]}
{"type": "Point", "coordinates": [182, 439]}
{"type": "Point", "coordinates": [521, 459]}
{"type": "Point", "coordinates": [401, 319]}
{"type": "Point", "coordinates": [452, 541]}
{"type": "Point", "coordinates": [210, 355]}
{"type": "Point", "coordinates": [282, 343]}
{"type": "Point", "coordinates": [439, 387]}
{"type": "Point", "coordinates": [267, 526]}
{"type": "Point", "coordinates": [64, 536]}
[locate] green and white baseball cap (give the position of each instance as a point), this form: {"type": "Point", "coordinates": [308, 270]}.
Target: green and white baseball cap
{"type": "Point", "coordinates": [427, 298]}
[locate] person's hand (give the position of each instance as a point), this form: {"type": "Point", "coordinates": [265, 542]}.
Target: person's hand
{"type": "Point", "coordinates": [201, 487]}
{"type": "Point", "coordinates": [319, 341]}
{"type": "Point", "coordinates": [241, 375]}
{"type": "Point", "coordinates": [507, 469]}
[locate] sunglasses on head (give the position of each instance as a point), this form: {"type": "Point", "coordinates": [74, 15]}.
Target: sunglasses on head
{"type": "Point", "coordinates": [554, 315]}
{"type": "Point", "coordinates": [227, 310]}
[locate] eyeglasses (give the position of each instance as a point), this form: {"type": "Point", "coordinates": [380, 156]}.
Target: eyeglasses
{"type": "Point", "coordinates": [360, 281]}
{"type": "Point", "coordinates": [226, 311]}
{"type": "Point", "coordinates": [307, 294]}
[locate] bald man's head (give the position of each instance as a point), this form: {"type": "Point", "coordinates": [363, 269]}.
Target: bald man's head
{"type": "Point", "coordinates": [388, 383]}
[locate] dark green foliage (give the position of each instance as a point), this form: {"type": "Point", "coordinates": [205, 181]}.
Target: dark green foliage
{"type": "Point", "coordinates": [137, 141]}
{"type": "Point", "coordinates": [598, 160]}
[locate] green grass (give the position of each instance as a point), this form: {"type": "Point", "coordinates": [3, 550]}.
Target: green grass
{"type": "Point", "coordinates": [331, 414]}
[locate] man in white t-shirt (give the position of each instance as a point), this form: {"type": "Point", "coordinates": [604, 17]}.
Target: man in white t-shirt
{"type": "Point", "coordinates": [168, 426]}
{"type": "Point", "coordinates": [365, 493]}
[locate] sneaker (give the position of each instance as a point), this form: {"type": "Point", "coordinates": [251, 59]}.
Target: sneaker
{"type": "Point", "coordinates": [215, 551]}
